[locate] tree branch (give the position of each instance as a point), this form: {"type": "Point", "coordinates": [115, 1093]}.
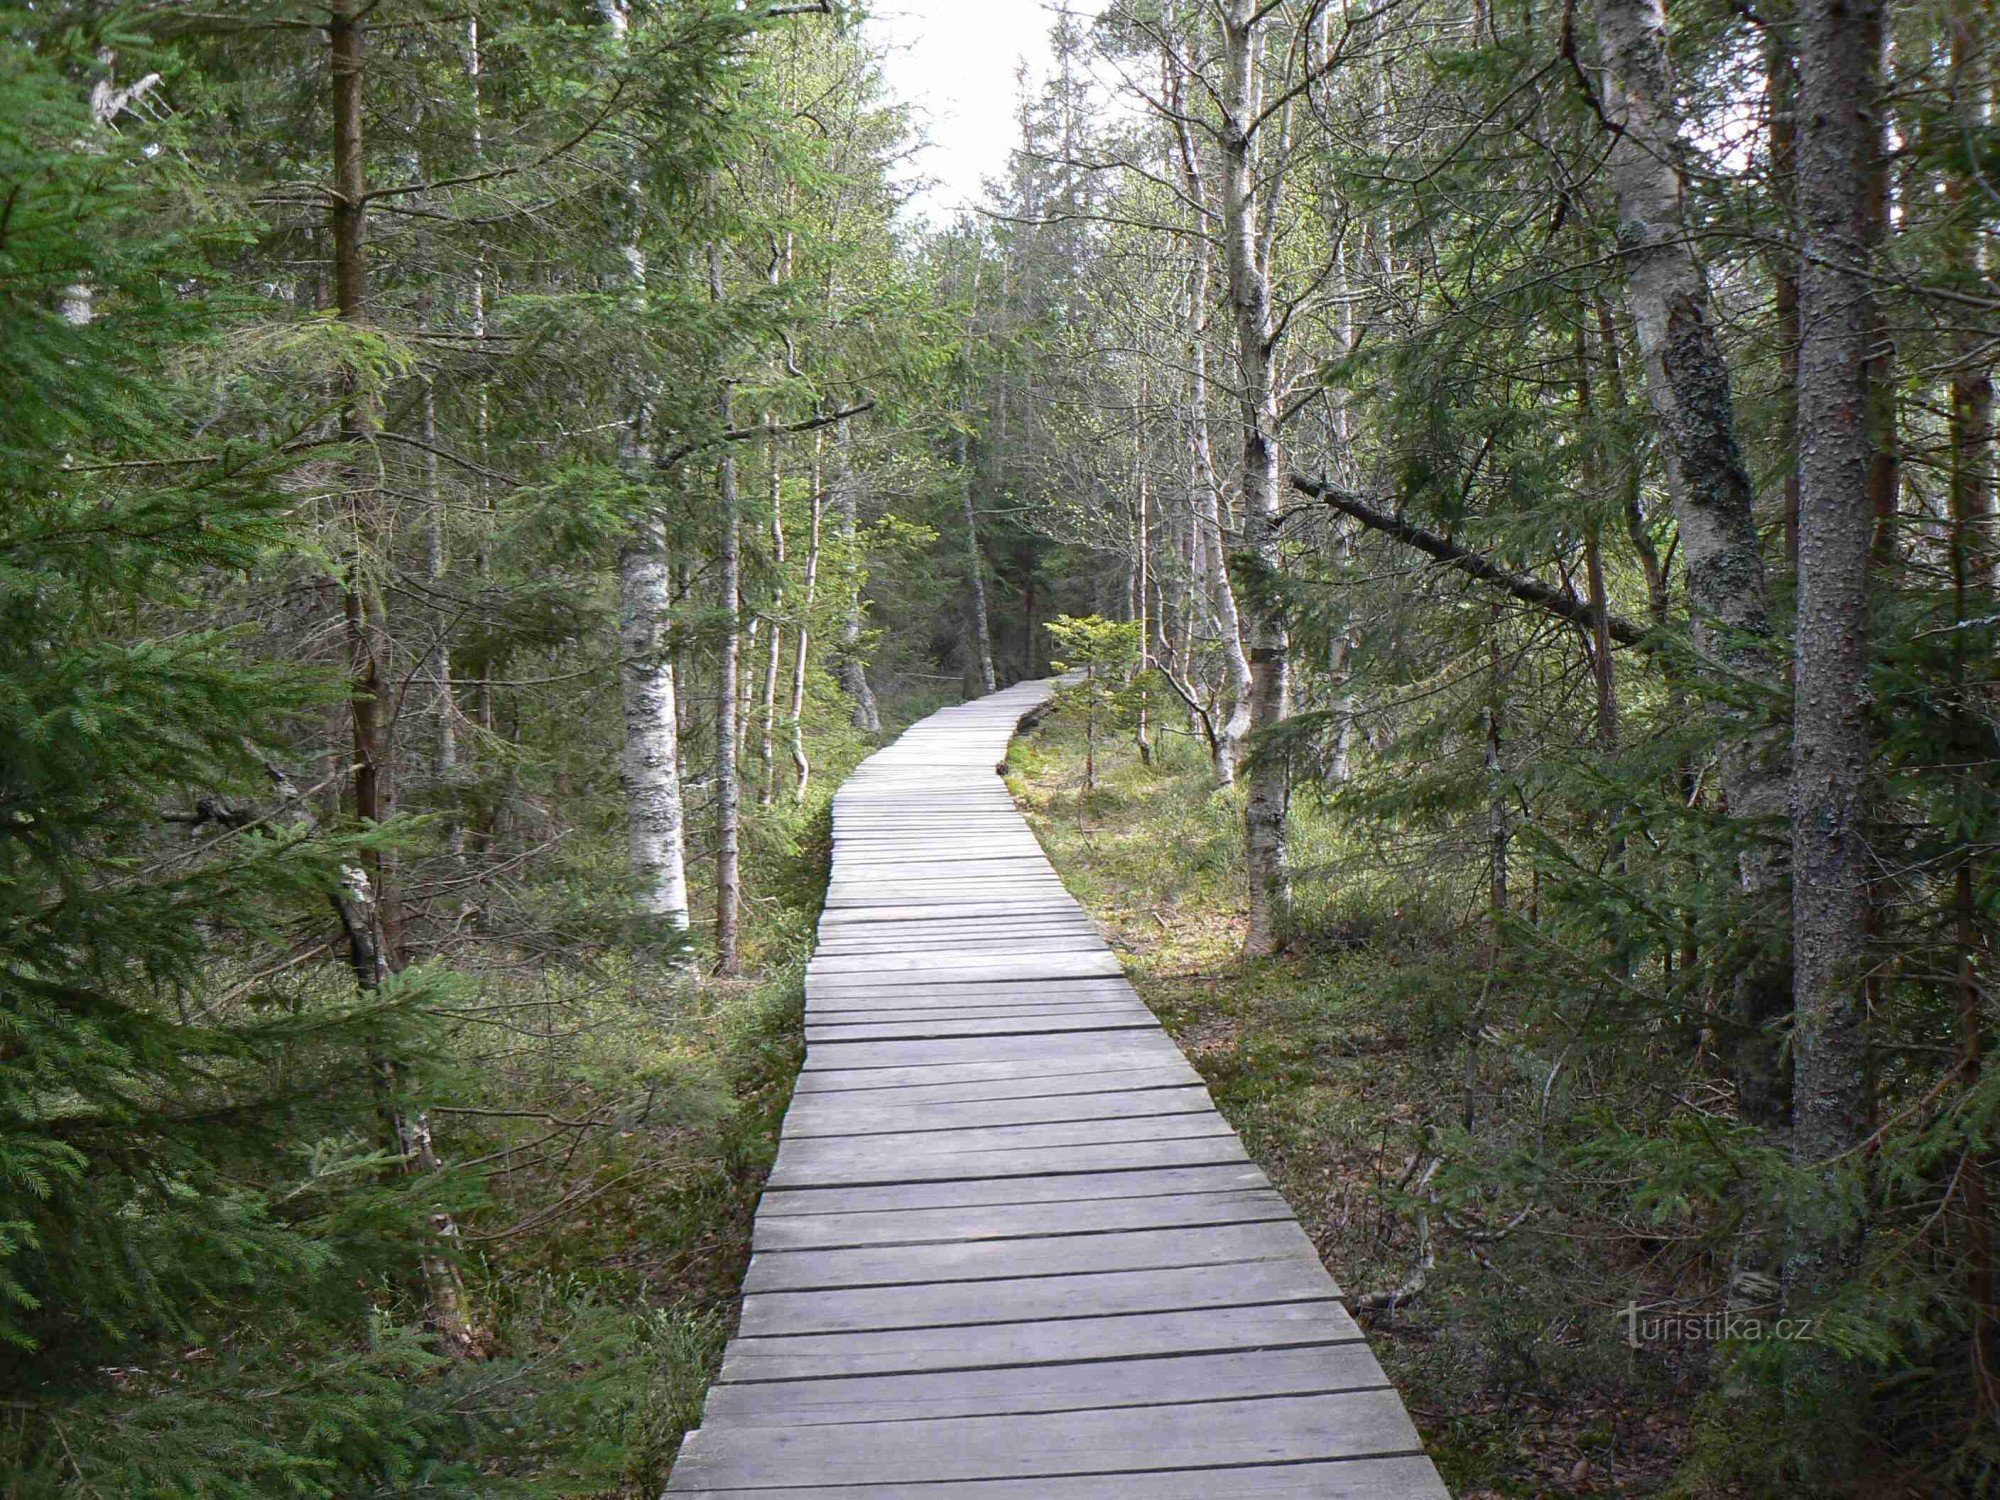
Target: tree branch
{"type": "Point", "coordinates": [763, 429]}
{"type": "Point", "coordinates": [1559, 602]}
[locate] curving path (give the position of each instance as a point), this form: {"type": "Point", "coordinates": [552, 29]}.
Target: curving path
{"type": "Point", "coordinates": [1009, 1249]}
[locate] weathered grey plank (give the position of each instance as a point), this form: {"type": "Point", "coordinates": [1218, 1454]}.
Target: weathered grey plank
{"type": "Point", "coordinates": [1352, 1424]}
{"type": "Point", "coordinates": [1010, 1221]}
{"type": "Point", "coordinates": [1040, 1342]}
{"type": "Point", "coordinates": [1064, 1255]}
{"type": "Point", "coordinates": [1148, 1046]}
{"type": "Point", "coordinates": [1319, 1370]}
{"type": "Point", "coordinates": [873, 1087]}
{"type": "Point", "coordinates": [1408, 1478]}
{"type": "Point", "coordinates": [964, 1167]}
{"type": "Point", "coordinates": [1116, 1064]}
{"type": "Point", "coordinates": [1060, 1187]}
{"type": "Point", "coordinates": [1033, 1135]}
{"type": "Point", "coordinates": [838, 1116]}
{"type": "Point", "coordinates": [921, 1028]}
{"type": "Point", "coordinates": [1090, 1294]}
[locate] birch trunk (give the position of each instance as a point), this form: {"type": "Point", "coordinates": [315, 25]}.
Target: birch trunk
{"type": "Point", "coordinates": [649, 766]}
{"type": "Point", "coordinates": [975, 567]}
{"type": "Point", "coordinates": [846, 487]}
{"type": "Point", "coordinates": [728, 794]}
{"type": "Point", "coordinates": [795, 715]}
{"type": "Point", "coordinates": [649, 769]}
{"type": "Point", "coordinates": [767, 763]}
{"type": "Point", "coordinates": [1246, 218]}
{"type": "Point", "coordinates": [1208, 556]}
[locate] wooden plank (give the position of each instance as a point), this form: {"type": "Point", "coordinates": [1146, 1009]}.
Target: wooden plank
{"type": "Point", "coordinates": [1089, 1294]}
{"type": "Point", "coordinates": [1320, 1370]}
{"type": "Point", "coordinates": [1063, 1187]}
{"type": "Point", "coordinates": [1282, 1325]}
{"type": "Point", "coordinates": [1031, 1135]}
{"type": "Point", "coordinates": [1136, 1046]}
{"type": "Point", "coordinates": [1409, 1478]}
{"type": "Point", "coordinates": [859, 1169]}
{"type": "Point", "coordinates": [1021, 1075]}
{"type": "Point", "coordinates": [930, 1226]}
{"type": "Point", "coordinates": [819, 1116]}
{"type": "Point", "coordinates": [1133, 1440]}
{"type": "Point", "coordinates": [914, 1028]}
{"type": "Point", "coordinates": [1054, 1255]}
{"type": "Point", "coordinates": [875, 1086]}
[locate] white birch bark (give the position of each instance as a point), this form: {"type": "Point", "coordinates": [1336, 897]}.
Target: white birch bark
{"type": "Point", "coordinates": [1248, 209]}
{"type": "Point", "coordinates": [845, 484]}
{"type": "Point", "coordinates": [1209, 563]}
{"type": "Point", "coordinates": [649, 767]}
{"type": "Point", "coordinates": [796, 709]}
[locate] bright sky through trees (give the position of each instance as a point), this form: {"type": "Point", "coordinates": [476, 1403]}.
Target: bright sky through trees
{"type": "Point", "coordinates": [954, 63]}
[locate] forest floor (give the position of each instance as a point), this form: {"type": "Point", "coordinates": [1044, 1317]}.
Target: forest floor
{"type": "Point", "coordinates": [1311, 1061]}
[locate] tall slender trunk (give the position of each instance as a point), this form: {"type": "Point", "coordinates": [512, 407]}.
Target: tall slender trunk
{"type": "Point", "coordinates": [1830, 737]}
{"type": "Point", "coordinates": [796, 709]}
{"type": "Point", "coordinates": [767, 763]}
{"type": "Point", "coordinates": [1246, 216]}
{"type": "Point", "coordinates": [1839, 75]}
{"type": "Point", "coordinates": [1971, 396]}
{"type": "Point", "coordinates": [728, 791]}
{"type": "Point", "coordinates": [1781, 85]}
{"type": "Point", "coordinates": [482, 416]}
{"type": "Point", "coordinates": [1687, 382]}
{"type": "Point", "coordinates": [437, 521]}
{"type": "Point", "coordinates": [1142, 523]}
{"type": "Point", "coordinates": [1603, 670]}
{"type": "Point", "coordinates": [1209, 556]}
{"type": "Point", "coordinates": [649, 766]}
{"type": "Point", "coordinates": [846, 486]}
{"type": "Point", "coordinates": [1972, 560]}
{"type": "Point", "coordinates": [975, 565]}
{"type": "Point", "coordinates": [367, 909]}
{"type": "Point", "coordinates": [1885, 467]}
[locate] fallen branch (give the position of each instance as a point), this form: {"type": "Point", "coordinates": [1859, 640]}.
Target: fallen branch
{"type": "Point", "coordinates": [1559, 602]}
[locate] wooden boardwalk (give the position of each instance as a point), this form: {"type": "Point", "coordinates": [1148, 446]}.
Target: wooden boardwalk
{"type": "Point", "coordinates": [1009, 1249]}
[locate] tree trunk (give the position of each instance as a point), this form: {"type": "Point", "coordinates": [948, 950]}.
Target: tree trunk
{"type": "Point", "coordinates": [649, 769]}
{"type": "Point", "coordinates": [1971, 419]}
{"type": "Point", "coordinates": [1839, 73]}
{"type": "Point", "coordinates": [801, 767]}
{"type": "Point", "coordinates": [366, 908]}
{"type": "Point", "coordinates": [975, 567]}
{"type": "Point", "coordinates": [1209, 566]}
{"type": "Point", "coordinates": [1142, 522]}
{"type": "Point", "coordinates": [846, 486]}
{"type": "Point", "coordinates": [1687, 381]}
{"type": "Point", "coordinates": [649, 766]}
{"type": "Point", "coordinates": [767, 761]}
{"type": "Point", "coordinates": [728, 792]}
{"type": "Point", "coordinates": [1245, 248]}
{"type": "Point", "coordinates": [1781, 82]}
